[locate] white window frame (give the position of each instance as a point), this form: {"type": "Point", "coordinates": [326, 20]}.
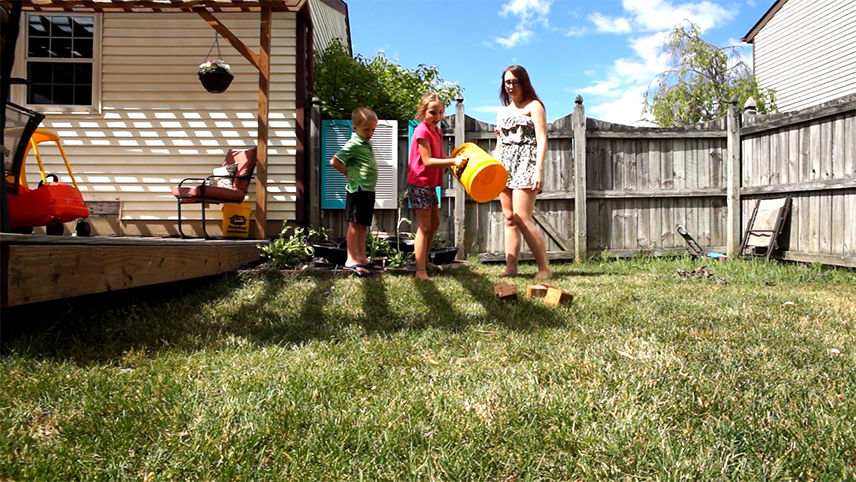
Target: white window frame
{"type": "Point", "coordinates": [19, 92]}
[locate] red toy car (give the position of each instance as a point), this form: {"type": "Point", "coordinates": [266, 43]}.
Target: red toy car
{"type": "Point", "coordinates": [52, 203]}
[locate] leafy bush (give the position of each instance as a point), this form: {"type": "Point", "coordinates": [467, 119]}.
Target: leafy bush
{"type": "Point", "coordinates": [343, 82]}
{"type": "Point", "coordinates": [287, 251]}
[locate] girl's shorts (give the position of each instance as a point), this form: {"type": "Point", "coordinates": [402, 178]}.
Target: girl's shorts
{"type": "Point", "coordinates": [422, 197]}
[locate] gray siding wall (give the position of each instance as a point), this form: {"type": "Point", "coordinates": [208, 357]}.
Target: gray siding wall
{"type": "Point", "coordinates": [807, 52]}
{"type": "Point", "coordinates": [327, 23]}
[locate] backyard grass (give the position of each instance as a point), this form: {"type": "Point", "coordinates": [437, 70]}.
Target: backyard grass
{"type": "Point", "coordinates": [747, 374]}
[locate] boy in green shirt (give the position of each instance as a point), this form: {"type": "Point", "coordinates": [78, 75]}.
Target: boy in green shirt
{"type": "Point", "coordinates": [356, 161]}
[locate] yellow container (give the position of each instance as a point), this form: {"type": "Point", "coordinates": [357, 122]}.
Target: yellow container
{"type": "Point", "coordinates": [236, 219]}
{"type": "Point", "coordinates": [483, 177]}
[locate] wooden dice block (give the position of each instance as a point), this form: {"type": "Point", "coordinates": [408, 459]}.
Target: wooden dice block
{"type": "Point", "coordinates": [505, 291]}
{"type": "Point", "coordinates": [536, 291]}
{"type": "Point", "coordinates": [556, 297]}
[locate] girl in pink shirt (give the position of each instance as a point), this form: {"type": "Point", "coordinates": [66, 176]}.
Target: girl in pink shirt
{"type": "Point", "coordinates": [425, 173]}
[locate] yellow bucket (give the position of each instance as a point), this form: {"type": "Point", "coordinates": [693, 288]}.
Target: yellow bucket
{"type": "Point", "coordinates": [236, 219]}
{"type": "Point", "coordinates": [483, 177]}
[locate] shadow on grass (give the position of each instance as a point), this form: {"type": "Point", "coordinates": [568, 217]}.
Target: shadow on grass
{"type": "Point", "coordinates": [105, 325]}
{"type": "Point", "coordinates": [211, 313]}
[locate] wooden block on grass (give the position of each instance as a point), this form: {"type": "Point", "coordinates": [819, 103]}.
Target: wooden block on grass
{"type": "Point", "coordinates": [556, 297]}
{"type": "Point", "coordinates": [536, 291]}
{"type": "Point", "coordinates": [505, 291]}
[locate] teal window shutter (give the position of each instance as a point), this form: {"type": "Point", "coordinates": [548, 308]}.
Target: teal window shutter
{"type": "Point", "coordinates": [334, 135]}
{"type": "Point", "coordinates": [411, 126]}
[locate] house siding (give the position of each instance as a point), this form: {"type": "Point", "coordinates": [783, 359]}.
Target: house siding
{"type": "Point", "coordinates": [158, 125]}
{"type": "Point", "coordinates": [807, 52]}
{"type": "Point", "coordinates": [327, 24]}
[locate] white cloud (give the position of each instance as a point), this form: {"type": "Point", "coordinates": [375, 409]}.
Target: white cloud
{"type": "Point", "coordinates": [604, 24]}
{"type": "Point", "coordinates": [651, 15]}
{"type": "Point", "coordinates": [606, 87]}
{"type": "Point", "coordinates": [489, 109]}
{"type": "Point", "coordinates": [626, 108]}
{"type": "Point", "coordinates": [528, 12]}
{"type": "Point", "coordinates": [525, 9]}
{"type": "Point", "coordinates": [519, 37]}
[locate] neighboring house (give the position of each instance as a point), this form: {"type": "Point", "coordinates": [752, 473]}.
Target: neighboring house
{"type": "Point", "coordinates": [329, 21]}
{"type": "Point", "coordinates": [806, 51]}
{"type": "Point", "coordinates": [118, 82]}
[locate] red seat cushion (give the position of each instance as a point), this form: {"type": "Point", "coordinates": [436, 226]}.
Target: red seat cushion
{"type": "Point", "coordinates": [246, 162]}
{"type": "Point", "coordinates": [212, 194]}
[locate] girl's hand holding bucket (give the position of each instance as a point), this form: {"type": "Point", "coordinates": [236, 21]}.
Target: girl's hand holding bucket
{"type": "Point", "coordinates": [461, 162]}
{"type": "Point", "coordinates": [482, 176]}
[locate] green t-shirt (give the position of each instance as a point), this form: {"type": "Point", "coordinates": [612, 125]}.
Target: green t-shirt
{"type": "Point", "coordinates": [358, 157]}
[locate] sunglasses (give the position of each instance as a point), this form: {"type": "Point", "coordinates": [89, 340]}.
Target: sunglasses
{"type": "Point", "coordinates": [512, 82]}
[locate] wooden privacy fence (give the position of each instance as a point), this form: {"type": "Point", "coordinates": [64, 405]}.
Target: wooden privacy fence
{"type": "Point", "coordinates": [638, 183]}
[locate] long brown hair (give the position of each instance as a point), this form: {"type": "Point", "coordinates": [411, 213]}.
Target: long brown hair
{"type": "Point", "coordinates": [525, 85]}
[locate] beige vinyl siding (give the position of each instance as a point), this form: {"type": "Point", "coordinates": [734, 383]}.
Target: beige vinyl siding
{"type": "Point", "coordinates": [807, 52]}
{"type": "Point", "coordinates": [158, 125]}
{"type": "Point", "coordinates": [327, 24]}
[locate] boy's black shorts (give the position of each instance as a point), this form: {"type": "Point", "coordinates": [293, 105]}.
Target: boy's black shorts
{"type": "Point", "coordinates": [359, 207]}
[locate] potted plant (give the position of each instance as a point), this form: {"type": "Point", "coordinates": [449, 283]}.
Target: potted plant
{"type": "Point", "coordinates": [440, 253]}
{"type": "Point", "coordinates": [215, 75]}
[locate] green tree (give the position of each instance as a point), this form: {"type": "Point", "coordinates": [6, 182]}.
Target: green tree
{"type": "Point", "coordinates": [343, 82]}
{"type": "Point", "coordinates": [702, 81]}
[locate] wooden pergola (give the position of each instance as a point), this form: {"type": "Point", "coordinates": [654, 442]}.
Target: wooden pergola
{"type": "Point", "coordinates": [207, 10]}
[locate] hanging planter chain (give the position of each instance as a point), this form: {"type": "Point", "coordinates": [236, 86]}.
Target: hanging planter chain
{"type": "Point", "coordinates": [215, 44]}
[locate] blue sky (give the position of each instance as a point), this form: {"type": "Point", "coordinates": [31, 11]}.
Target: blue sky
{"type": "Point", "coordinates": [605, 50]}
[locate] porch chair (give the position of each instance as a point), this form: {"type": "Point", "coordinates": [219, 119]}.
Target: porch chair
{"type": "Point", "coordinates": [228, 184]}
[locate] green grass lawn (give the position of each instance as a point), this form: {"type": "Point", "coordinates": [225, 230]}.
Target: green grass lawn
{"type": "Point", "coordinates": [749, 374]}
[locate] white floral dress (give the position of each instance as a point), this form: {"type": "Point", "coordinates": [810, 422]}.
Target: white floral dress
{"type": "Point", "coordinates": [519, 149]}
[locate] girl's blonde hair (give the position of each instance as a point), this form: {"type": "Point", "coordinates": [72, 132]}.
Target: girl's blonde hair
{"type": "Point", "coordinates": [424, 101]}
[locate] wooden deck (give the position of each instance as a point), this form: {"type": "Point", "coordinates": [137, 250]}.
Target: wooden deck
{"type": "Point", "coordinates": [43, 268]}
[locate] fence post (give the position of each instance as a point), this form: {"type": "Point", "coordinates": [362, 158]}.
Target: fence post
{"type": "Point", "coordinates": [314, 170]}
{"type": "Point", "coordinates": [579, 126]}
{"type": "Point", "coordinates": [732, 228]}
{"type": "Point", "coordinates": [460, 194]}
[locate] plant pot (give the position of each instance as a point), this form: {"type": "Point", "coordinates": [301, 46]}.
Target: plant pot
{"type": "Point", "coordinates": [443, 255]}
{"type": "Point", "coordinates": [215, 82]}
{"type": "Point", "coordinates": [403, 244]}
{"type": "Point", "coordinates": [333, 253]}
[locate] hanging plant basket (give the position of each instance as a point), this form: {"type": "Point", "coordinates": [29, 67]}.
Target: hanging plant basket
{"type": "Point", "coordinates": [214, 73]}
{"type": "Point", "coordinates": [215, 81]}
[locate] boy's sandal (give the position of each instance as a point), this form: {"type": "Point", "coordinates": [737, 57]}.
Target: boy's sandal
{"type": "Point", "coordinates": [375, 266]}
{"type": "Point", "coordinates": [360, 270]}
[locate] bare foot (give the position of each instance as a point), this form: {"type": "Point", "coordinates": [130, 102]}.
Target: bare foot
{"type": "Point", "coordinates": [509, 272]}
{"type": "Point", "coordinates": [545, 274]}
{"type": "Point", "coordinates": [421, 274]}
{"type": "Point", "coordinates": [435, 267]}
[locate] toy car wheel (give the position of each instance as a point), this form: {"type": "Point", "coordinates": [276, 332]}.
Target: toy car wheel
{"type": "Point", "coordinates": [54, 227]}
{"type": "Point", "coordinates": [23, 230]}
{"type": "Point", "coordinates": [83, 228]}
{"type": "Point", "coordinates": [48, 177]}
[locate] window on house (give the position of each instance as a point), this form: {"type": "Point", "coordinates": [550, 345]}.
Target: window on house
{"type": "Point", "coordinates": [61, 60]}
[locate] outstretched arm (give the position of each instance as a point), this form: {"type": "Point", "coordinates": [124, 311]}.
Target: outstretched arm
{"type": "Point", "coordinates": [425, 153]}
